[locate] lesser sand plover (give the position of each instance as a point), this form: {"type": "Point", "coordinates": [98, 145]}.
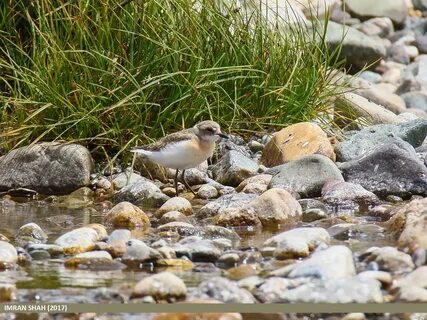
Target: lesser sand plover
{"type": "Point", "coordinates": [184, 149]}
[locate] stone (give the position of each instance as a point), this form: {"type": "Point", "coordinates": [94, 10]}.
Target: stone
{"type": "Point", "coordinates": [52, 249]}
{"type": "Point", "coordinates": [178, 227]}
{"type": "Point", "coordinates": [215, 232]}
{"type": "Point", "coordinates": [388, 100]}
{"type": "Point", "coordinates": [364, 141]}
{"type": "Point", "coordinates": [389, 259]}
{"type": "Point", "coordinates": [233, 168]}
{"type": "Point", "coordinates": [334, 263]}
{"type": "Point", "coordinates": [342, 290]}
{"type": "Point", "coordinates": [224, 290]}
{"type": "Point", "coordinates": [142, 191]}
{"type": "Point", "coordinates": [8, 292]}
{"type": "Point", "coordinates": [382, 276]}
{"type": "Point", "coordinates": [164, 286]}
{"type": "Point", "coordinates": [396, 10]}
{"type": "Point", "coordinates": [313, 210]}
{"type": "Point", "coordinates": [30, 233]}
{"type": "Point", "coordinates": [89, 260]}
{"type": "Point", "coordinates": [311, 237]}
{"type": "Point", "coordinates": [243, 271]}
{"type": "Point", "coordinates": [124, 179]}
{"type": "Point", "coordinates": [8, 255]}
{"type": "Point", "coordinates": [235, 217]}
{"type": "Point", "coordinates": [138, 252]}
{"type": "Point", "coordinates": [412, 287]}
{"type": "Point", "coordinates": [119, 235]}
{"type": "Point", "coordinates": [276, 207]}
{"type": "Point", "coordinates": [127, 215]}
{"type": "Point", "coordinates": [48, 168]}
{"type": "Point", "coordinates": [353, 106]}
{"type": "Point", "coordinates": [197, 249]}
{"type": "Point", "coordinates": [227, 201]}
{"type": "Point", "coordinates": [306, 176]}
{"type": "Point", "coordinates": [296, 141]}
{"type": "Point", "coordinates": [414, 75]}
{"type": "Point", "coordinates": [207, 191]}
{"type": "Point", "coordinates": [347, 195]}
{"type": "Point", "coordinates": [150, 169]}
{"type": "Point", "coordinates": [78, 240]}
{"type": "Point", "coordinates": [420, 4]}
{"type": "Point", "coordinates": [416, 99]}
{"type": "Point", "coordinates": [173, 216]}
{"type": "Point", "coordinates": [371, 76]}
{"type": "Point", "coordinates": [380, 26]}
{"type": "Point", "coordinates": [388, 170]}
{"type": "Point", "coordinates": [257, 184]}
{"type": "Point", "coordinates": [175, 204]}
{"type": "Point", "coordinates": [421, 42]}
{"type": "Point", "coordinates": [397, 53]}
{"type": "Point", "coordinates": [359, 49]}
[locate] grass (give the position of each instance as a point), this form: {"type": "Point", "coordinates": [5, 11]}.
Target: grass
{"type": "Point", "coordinates": [113, 77]}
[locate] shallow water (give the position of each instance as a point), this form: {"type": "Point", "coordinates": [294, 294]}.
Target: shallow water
{"type": "Point", "coordinates": [49, 280]}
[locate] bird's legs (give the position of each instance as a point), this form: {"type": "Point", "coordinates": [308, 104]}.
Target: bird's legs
{"type": "Point", "coordinates": [185, 182]}
{"type": "Point", "coordinates": [176, 182]}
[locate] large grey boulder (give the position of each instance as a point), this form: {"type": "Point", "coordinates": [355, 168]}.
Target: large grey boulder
{"type": "Point", "coordinates": [364, 141]}
{"type": "Point", "coordinates": [358, 49]}
{"type": "Point", "coordinates": [48, 168]}
{"type": "Point", "coordinates": [306, 176]}
{"type": "Point", "coordinates": [388, 170]}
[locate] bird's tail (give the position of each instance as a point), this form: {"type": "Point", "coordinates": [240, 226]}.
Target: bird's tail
{"type": "Point", "coordinates": [141, 151]}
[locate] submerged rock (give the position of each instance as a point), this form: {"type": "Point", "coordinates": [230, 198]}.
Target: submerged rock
{"type": "Point", "coordinates": [296, 141]}
{"type": "Point", "coordinates": [164, 286]}
{"type": "Point", "coordinates": [30, 233]}
{"type": "Point", "coordinates": [306, 176]}
{"type": "Point", "coordinates": [48, 168]}
{"type": "Point", "coordinates": [127, 215]}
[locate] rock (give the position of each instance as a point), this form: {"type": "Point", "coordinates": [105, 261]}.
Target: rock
{"type": "Point", "coordinates": [310, 237]}
{"type": "Point", "coordinates": [410, 223]}
{"type": "Point", "coordinates": [234, 217]}
{"type": "Point", "coordinates": [397, 53]}
{"type": "Point", "coordinates": [388, 100]}
{"type": "Point", "coordinates": [389, 259]}
{"type": "Point", "coordinates": [127, 215]}
{"type": "Point", "coordinates": [8, 255]}
{"type": "Point", "coordinates": [296, 141]}
{"type": "Point", "coordinates": [233, 168]}
{"type": "Point", "coordinates": [382, 276]}
{"type": "Point", "coordinates": [197, 249]}
{"type": "Point", "coordinates": [173, 216]}
{"type": "Point", "coordinates": [312, 210]}
{"type": "Point", "coordinates": [353, 106]}
{"type": "Point", "coordinates": [48, 168]}
{"type": "Point", "coordinates": [30, 233]}
{"type": "Point", "coordinates": [138, 252]}
{"type": "Point", "coordinates": [256, 184]}
{"type": "Point", "coordinates": [78, 240]}
{"type": "Point", "coordinates": [91, 259]}
{"type": "Point", "coordinates": [370, 76]}
{"type": "Point", "coordinates": [414, 76]}
{"type": "Point", "coordinates": [346, 231]}
{"type": "Point", "coordinates": [407, 116]}
{"type": "Point", "coordinates": [306, 176]}
{"type": "Point", "coordinates": [119, 235]}
{"type": "Point", "coordinates": [412, 288]}
{"type": "Point", "coordinates": [396, 10]}
{"type": "Point", "coordinates": [224, 290]}
{"type": "Point", "coordinates": [178, 227]}
{"type": "Point", "coordinates": [347, 195]}
{"type": "Point", "coordinates": [141, 192]}
{"type": "Point", "coordinates": [52, 249]}
{"type": "Point", "coordinates": [364, 141]}
{"type": "Point", "coordinates": [276, 207]}
{"type": "Point", "coordinates": [175, 204]}
{"type": "Point", "coordinates": [207, 191]}
{"type": "Point", "coordinates": [8, 292]}
{"type": "Point", "coordinates": [416, 99]}
{"type": "Point", "coordinates": [421, 42]}
{"type": "Point", "coordinates": [164, 286]}
{"type": "Point", "coordinates": [243, 271]}
{"type": "Point", "coordinates": [332, 263]}
{"type": "Point", "coordinates": [358, 49]}
{"type": "Point", "coordinates": [420, 4]}
{"type": "Point", "coordinates": [255, 146]}
{"type": "Point", "coordinates": [150, 169]}
{"type": "Point", "coordinates": [347, 290]}
{"type": "Point", "coordinates": [215, 232]}
{"type": "Point", "coordinates": [213, 208]}
{"type": "Point", "coordinates": [381, 27]}
{"type": "Point", "coordinates": [388, 170]}
{"type": "Point", "coordinates": [124, 179]}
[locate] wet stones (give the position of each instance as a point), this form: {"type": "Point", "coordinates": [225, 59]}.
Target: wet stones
{"type": "Point", "coordinates": [30, 233]}
{"type": "Point", "coordinates": [389, 259]}
{"type": "Point", "coordinates": [142, 191]}
{"type": "Point", "coordinates": [296, 141]}
{"type": "Point", "coordinates": [127, 215]}
{"type": "Point", "coordinates": [175, 204]}
{"type": "Point", "coordinates": [224, 290]}
{"type": "Point", "coordinates": [164, 286]}
{"type": "Point", "coordinates": [306, 176]}
{"type": "Point", "coordinates": [92, 260]}
{"type": "Point", "coordinates": [8, 255]}
{"type": "Point", "coordinates": [78, 240]}
{"type": "Point", "coordinates": [412, 287]}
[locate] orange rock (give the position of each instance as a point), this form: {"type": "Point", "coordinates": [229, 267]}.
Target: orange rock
{"type": "Point", "coordinates": [296, 141]}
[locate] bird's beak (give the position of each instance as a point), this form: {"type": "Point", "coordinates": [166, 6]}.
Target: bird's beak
{"type": "Point", "coordinates": [224, 136]}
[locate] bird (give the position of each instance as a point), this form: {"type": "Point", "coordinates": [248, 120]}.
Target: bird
{"type": "Point", "coordinates": [184, 149]}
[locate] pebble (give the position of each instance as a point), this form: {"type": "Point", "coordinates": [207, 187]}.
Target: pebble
{"type": "Point", "coordinates": [164, 286]}
{"type": "Point", "coordinates": [175, 204]}
{"type": "Point", "coordinates": [30, 233]}
{"type": "Point", "coordinates": [127, 215]}
{"type": "Point", "coordinates": [207, 191]}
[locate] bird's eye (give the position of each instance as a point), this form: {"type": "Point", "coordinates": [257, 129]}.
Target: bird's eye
{"type": "Point", "coordinates": [210, 129]}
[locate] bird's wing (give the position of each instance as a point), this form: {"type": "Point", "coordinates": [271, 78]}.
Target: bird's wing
{"type": "Point", "coordinates": [183, 135]}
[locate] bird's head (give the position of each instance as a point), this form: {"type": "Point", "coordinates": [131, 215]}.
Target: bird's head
{"type": "Point", "coordinates": [209, 131]}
